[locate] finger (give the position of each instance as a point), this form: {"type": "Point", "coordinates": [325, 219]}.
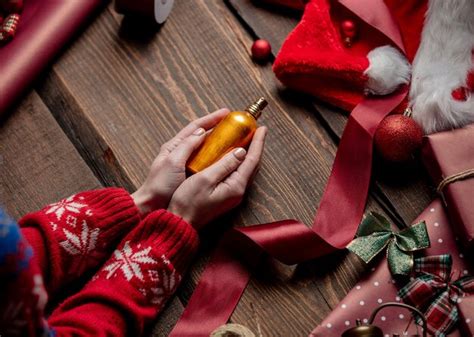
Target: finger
{"type": "Point", "coordinates": [225, 166]}
{"type": "Point", "coordinates": [254, 155]}
{"type": "Point", "coordinates": [207, 122]}
{"type": "Point", "coordinates": [184, 150]}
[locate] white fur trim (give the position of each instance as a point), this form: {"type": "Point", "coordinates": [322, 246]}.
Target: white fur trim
{"type": "Point", "coordinates": [388, 70]}
{"type": "Point", "coordinates": [441, 65]}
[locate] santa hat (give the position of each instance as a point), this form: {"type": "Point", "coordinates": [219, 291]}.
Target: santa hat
{"type": "Point", "coordinates": [438, 38]}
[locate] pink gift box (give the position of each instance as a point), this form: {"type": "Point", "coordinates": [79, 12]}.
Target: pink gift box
{"type": "Point", "coordinates": [378, 286]}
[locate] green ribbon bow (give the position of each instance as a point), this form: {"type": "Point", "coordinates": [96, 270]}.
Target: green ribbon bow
{"type": "Point", "coordinates": [375, 234]}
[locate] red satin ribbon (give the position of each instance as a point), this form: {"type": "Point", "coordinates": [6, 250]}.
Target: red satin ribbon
{"type": "Point", "coordinates": [290, 241]}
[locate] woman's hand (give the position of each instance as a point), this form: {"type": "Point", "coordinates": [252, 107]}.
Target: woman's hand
{"type": "Point", "coordinates": [168, 170]}
{"type": "Point", "coordinates": [220, 187]}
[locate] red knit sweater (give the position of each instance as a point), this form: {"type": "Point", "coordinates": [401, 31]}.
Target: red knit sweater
{"type": "Point", "coordinates": [138, 263]}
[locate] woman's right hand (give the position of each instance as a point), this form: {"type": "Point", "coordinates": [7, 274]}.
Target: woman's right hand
{"type": "Point", "coordinates": [217, 189]}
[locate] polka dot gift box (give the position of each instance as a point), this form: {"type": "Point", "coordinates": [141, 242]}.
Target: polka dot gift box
{"type": "Point", "coordinates": [466, 317]}
{"type": "Point", "coordinates": [379, 287]}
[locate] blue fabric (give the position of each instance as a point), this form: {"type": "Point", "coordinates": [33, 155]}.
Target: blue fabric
{"type": "Point", "coordinates": [15, 258]}
{"type": "Point", "coordinates": [10, 239]}
{"type": "Point", "coordinates": [9, 236]}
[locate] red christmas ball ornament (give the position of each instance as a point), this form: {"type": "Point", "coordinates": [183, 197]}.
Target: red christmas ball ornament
{"type": "Point", "coordinates": [261, 50]}
{"type": "Point", "coordinates": [397, 138]}
{"type": "Point", "coordinates": [11, 6]}
{"type": "Point", "coordinates": [349, 28]}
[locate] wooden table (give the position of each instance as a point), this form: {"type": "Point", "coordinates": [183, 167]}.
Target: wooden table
{"type": "Point", "coordinates": [99, 114]}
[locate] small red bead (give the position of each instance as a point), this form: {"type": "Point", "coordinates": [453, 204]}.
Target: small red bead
{"type": "Point", "coordinates": [348, 28]}
{"type": "Point", "coordinates": [459, 94]}
{"type": "Point", "coordinates": [261, 50]}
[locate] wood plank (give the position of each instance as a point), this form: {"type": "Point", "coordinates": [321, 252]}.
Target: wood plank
{"type": "Point", "coordinates": [405, 190]}
{"type": "Point", "coordinates": [128, 96]}
{"type": "Point", "coordinates": [39, 165]}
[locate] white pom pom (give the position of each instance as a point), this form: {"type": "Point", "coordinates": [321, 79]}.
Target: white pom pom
{"type": "Point", "coordinates": [435, 109]}
{"type": "Point", "coordinates": [388, 70]}
{"type": "Point", "coordinates": [441, 65]}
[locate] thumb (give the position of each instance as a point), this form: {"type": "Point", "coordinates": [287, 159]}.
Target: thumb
{"type": "Point", "coordinates": [225, 166]}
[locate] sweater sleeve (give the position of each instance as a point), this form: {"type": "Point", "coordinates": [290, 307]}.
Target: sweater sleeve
{"type": "Point", "coordinates": [132, 287]}
{"type": "Point", "coordinates": [76, 235]}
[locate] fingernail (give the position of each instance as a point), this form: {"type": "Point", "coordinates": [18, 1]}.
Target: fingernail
{"type": "Point", "coordinates": [199, 132]}
{"type": "Point", "coordinates": [240, 153]}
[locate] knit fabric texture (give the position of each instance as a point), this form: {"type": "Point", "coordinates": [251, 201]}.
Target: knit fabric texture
{"type": "Point", "coordinates": [136, 264]}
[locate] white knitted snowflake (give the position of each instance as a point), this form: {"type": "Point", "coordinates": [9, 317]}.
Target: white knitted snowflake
{"type": "Point", "coordinates": [53, 225]}
{"type": "Point", "coordinates": [71, 220]}
{"type": "Point", "coordinates": [82, 244]}
{"type": "Point", "coordinates": [129, 262]}
{"type": "Point", "coordinates": [168, 283]}
{"type": "Point", "coordinates": [65, 205]}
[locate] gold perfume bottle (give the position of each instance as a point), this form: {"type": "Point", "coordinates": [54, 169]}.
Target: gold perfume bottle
{"type": "Point", "coordinates": [235, 130]}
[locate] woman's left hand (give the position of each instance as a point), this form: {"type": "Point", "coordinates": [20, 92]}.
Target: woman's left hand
{"type": "Point", "coordinates": [168, 170]}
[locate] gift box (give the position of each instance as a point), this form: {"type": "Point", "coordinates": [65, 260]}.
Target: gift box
{"type": "Point", "coordinates": [466, 316]}
{"type": "Point", "coordinates": [379, 287]}
{"type": "Point", "coordinates": [449, 159]}
{"type": "Point", "coordinates": [45, 27]}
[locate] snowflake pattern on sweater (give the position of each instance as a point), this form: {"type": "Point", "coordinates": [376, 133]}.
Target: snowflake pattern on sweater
{"type": "Point", "coordinates": [83, 230]}
{"type": "Point", "coordinates": [81, 243]}
{"type": "Point", "coordinates": [167, 281]}
{"type": "Point", "coordinates": [130, 262]}
{"type": "Point", "coordinates": [77, 235]}
{"type": "Point", "coordinates": [155, 278]}
{"type": "Point", "coordinates": [65, 205]}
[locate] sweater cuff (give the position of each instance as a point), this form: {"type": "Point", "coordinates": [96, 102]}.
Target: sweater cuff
{"type": "Point", "coordinates": [113, 209]}
{"type": "Point", "coordinates": [178, 240]}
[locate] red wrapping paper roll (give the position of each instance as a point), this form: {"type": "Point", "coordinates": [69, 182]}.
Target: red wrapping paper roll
{"type": "Point", "coordinates": [446, 154]}
{"type": "Point", "coordinates": [377, 287]}
{"type": "Point", "coordinates": [45, 26]}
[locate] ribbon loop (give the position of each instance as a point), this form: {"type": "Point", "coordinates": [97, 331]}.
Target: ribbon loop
{"type": "Point", "coordinates": [399, 262]}
{"type": "Point", "coordinates": [436, 266]}
{"type": "Point", "coordinates": [375, 234]}
{"type": "Point", "coordinates": [433, 291]}
{"type": "Point", "coordinates": [413, 237]}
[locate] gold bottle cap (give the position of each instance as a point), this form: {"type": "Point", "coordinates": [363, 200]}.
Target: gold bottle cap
{"type": "Point", "coordinates": [256, 108]}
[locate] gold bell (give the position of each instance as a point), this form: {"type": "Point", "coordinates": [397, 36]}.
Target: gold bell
{"type": "Point", "coordinates": [369, 330]}
{"type": "Point", "coordinates": [363, 330]}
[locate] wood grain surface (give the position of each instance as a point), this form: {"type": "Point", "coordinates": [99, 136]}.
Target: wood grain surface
{"type": "Point", "coordinates": [38, 163]}
{"type": "Point", "coordinates": [125, 87]}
